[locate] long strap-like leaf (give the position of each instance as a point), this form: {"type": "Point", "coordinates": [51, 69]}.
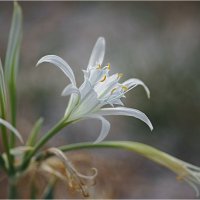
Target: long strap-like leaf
{"type": "Point", "coordinates": [186, 171]}
{"type": "Point", "coordinates": [3, 98]}
{"type": "Point", "coordinates": [12, 61]}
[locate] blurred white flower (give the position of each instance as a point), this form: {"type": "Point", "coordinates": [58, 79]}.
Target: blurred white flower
{"type": "Point", "coordinates": [98, 89]}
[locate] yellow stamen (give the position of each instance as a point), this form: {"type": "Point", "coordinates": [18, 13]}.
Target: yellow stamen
{"type": "Point", "coordinates": [119, 75]}
{"type": "Point", "coordinates": [113, 90]}
{"type": "Point", "coordinates": [103, 79]}
{"type": "Point", "coordinates": [98, 66]}
{"type": "Point", "coordinates": [124, 88]}
{"type": "Point", "coordinates": [108, 66]}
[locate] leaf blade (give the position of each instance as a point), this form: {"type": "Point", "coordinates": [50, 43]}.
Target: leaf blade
{"type": "Point", "coordinates": [12, 62]}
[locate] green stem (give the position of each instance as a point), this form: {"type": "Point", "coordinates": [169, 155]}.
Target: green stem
{"type": "Point", "coordinates": [43, 141]}
{"type": "Point", "coordinates": [7, 150]}
{"type": "Point", "coordinates": [6, 143]}
{"type": "Point", "coordinates": [12, 189]}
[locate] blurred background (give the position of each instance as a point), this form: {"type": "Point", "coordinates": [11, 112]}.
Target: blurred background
{"type": "Point", "coordinates": [157, 42]}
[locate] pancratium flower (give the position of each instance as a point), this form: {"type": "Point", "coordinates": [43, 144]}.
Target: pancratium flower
{"type": "Point", "coordinates": [98, 90]}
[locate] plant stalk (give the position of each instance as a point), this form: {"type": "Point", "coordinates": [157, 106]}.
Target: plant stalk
{"type": "Point", "coordinates": [12, 188]}
{"type": "Point", "coordinates": [61, 124]}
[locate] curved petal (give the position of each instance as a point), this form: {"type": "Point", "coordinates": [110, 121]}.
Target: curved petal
{"type": "Point", "coordinates": [87, 105]}
{"type": "Point", "coordinates": [104, 129]}
{"type": "Point", "coordinates": [13, 130]}
{"type": "Point", "coordinates": [69, 89]}
{"type": "Point", "coordinates": [133, 82]}
{"type": "Point", "coordinates": [61, 64]}
{"type": "Point", "coordinates": [98, 53]}
{"type": "Point", "coordinates": [127, 112]}
{"type": "Point", "coordinates": [85, 88]}
{"type": "Point", "coordinates": [73, 101]}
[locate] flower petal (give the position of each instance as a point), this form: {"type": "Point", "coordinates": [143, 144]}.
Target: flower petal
{"type": "Point", "coordinates": [61, 64]}
{"type": "Point", "coordinates": [133, 82]}
{"type": "Point", "coordinates": [87, 105]}
{"type": "Point", "coordinates": [13, 130]}
{"type": "Point", "coordinates": [85, 88]}
{"type": "Point", "coordinates": [98, 53]}
{"type": "Point", "coordinates": [104, 129]}
{"type": "Point", "coordinates": [69, 89]}
{"type": "Point", "coordinates": [74, 98]}
{"type": "Point", "coordinates": [73, 101]}
{"type": "Point", "coordinates": [126, 112]}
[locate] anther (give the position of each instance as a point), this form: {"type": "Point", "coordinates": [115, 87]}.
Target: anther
{"type": "Point", "coordinates": [113, 90]}
{"type": "Point", "coordinates": [103, 79]}
{"type": "Point", "coordinates": [124, 88]}
{"type": "Point", "coordinates": [108, 66]}
{"type": "Point", "coordinates": [98, 66]}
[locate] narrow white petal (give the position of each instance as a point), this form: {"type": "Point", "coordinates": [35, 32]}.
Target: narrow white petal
{"type": "Point", "coordinates": [96, 75]}
{"type": "Point", "coordinates": [73, 101]}
{"type": "Point", "coordinates": [13, 130]}
{"type": "Point", "coordinates": [87, 105]}
{"type": "Point", "coordinates": [61, 64]}
{"type": "Point", "coordinates": [98, 53]}
{"type": "Point", "coordinates": [133, 82]}
{"type": "Point", "coordinates": [126, 112]}
{"type": "Point", "coordinates": [104, 129]}
{"type": "Point", "coordinates": [69, 89]}
{"type": "Point", "coordinates": [85, 88]}
{"type": "Point", "coordinates": [104, 88]}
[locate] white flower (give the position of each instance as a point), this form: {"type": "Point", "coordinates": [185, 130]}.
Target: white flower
{"type": "Point", "coordinates": [98, 89]}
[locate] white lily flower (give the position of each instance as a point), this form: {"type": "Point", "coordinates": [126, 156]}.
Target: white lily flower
{"type": "Point", "coordinates": [98, 90]}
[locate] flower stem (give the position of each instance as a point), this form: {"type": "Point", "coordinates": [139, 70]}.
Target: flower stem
{"type": "Point", "coordinates": [12, 188]}
{"type": "Point", "coordinates": [61, 124]}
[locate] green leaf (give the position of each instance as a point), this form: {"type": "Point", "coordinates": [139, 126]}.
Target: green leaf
{"type": "Point", "coordinates": [186, 171]}
{"type": "Point", "coordinates": [12, 61]}
{"type": "Point", "coordinates": [3, 105]}
{"type": "Point", "coordinates": [142, 149]}
{"type": "Point", "coordinates": [3, 98]}
{"type": "Point", "coordinates": [34, 133]}
{"type": "Point", "coordinates": [14, 42]}
{"type": "Point", "coordinates": [32, 139]}
{"type": "Point", "coordinates": [2, 163]}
